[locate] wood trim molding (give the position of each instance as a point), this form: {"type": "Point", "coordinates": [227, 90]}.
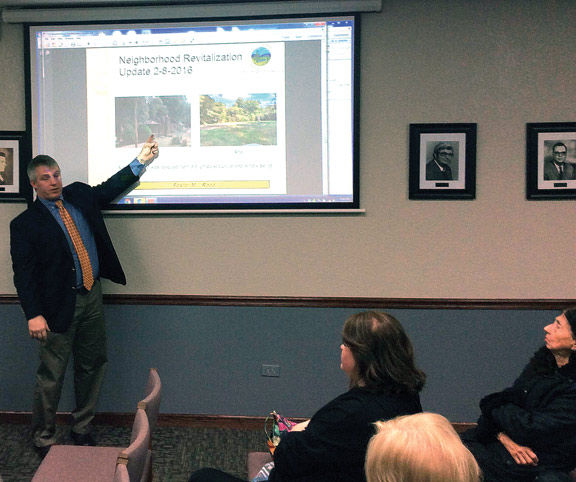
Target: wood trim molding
{"type": "Point", "coordinates": [175, 420]}
{"type": "Point", "coordinates": [330, 302]}
{"type": "Point", "coordinates": [341, 302]}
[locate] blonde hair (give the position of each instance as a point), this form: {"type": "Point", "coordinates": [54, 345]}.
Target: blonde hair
{"type": "Point", "coordinates": [420, 448]}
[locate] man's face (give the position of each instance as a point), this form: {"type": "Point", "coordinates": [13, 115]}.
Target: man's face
{"type": "Point", "coordinates": [445, 154]}
{"type": "Point", "coordinates": [559, 154]}
{"type": "Point", "coordinates": [48, 184]}
{"type": "Point", "coordinates": [2, 163]}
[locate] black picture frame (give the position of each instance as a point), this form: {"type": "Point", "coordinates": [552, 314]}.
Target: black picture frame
{"type": "Point", "coordinates": [428, 176]}
{"type": "Point", "coordinates": [544, 180]}
{"type": "Point", "coordinates": [14, 184]}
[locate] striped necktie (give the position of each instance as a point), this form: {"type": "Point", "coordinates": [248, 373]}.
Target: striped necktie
{"type": "Point", "coordinates": [87, 275]}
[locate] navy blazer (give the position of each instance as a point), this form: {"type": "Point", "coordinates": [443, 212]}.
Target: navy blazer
{"type": "Point", "coordinates": [44, 273]}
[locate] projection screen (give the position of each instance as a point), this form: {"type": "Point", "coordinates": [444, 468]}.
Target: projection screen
{"type": "Point", "coordinates": [249, 114]}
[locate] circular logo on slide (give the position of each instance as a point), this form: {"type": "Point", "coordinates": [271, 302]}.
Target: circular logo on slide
{"type": "Point", "coordinates": [261, 56]}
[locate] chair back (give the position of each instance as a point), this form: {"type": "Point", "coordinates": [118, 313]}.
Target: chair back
{"type": "Point", "coordinates": [121, 473]}
{"type": "Point", "coordinates": [255, 461]}
{"type": "Point", "coordinates": [153, 395]}
{"type": "Point", "coordinates": [136, 456]}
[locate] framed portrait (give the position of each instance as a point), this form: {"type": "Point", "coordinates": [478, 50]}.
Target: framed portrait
{"type": "Point", "coordinates": [442, 161]}
{"type": "Point", "coordinates": [13, 179]}
{"type": "Point", "coordinates": [551, 160]}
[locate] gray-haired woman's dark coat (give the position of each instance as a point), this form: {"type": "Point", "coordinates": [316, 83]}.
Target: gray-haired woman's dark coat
{"type": "Point", "coordinates": [538, 411]}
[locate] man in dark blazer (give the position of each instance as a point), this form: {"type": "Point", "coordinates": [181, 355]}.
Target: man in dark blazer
{"type": "Point", "coordinates": [60, 297]}
{"type": "Point", "coordinates": [4, 179]}
{"type": "Point", "coordinates": [557, 168]}
{"type": "Point", "coordinates": [438, 168]}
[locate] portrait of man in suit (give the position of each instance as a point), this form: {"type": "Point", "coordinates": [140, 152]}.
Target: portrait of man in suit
{"type": "Point", "coordinates": [6, 166]}
{"type": "Point", "coordinates": [442, 161]}
{"type": "Point", "coordinates": [556, 166]}
{"type": "Point", "coordinates": [442, 167]}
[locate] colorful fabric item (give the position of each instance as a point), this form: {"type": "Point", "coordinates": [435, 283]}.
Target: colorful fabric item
{"type": "Point", "coordinates": [280, 426]}
{"type": "Point", "coordinates": [81, 251]}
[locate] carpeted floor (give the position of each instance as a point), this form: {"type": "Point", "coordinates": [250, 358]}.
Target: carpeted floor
{"type": "Point", "coordinates": [177, 451]}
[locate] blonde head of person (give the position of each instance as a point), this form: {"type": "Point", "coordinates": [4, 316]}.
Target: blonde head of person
{"type": "Point", "coordinates": [419, 448]}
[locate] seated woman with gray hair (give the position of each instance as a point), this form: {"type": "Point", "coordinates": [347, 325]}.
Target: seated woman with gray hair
{"type": "Point", "coordinates": [528, 431]}
{"type": "Point", "coordinates": [419, 448]}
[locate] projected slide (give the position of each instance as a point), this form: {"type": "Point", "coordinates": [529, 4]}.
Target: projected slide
{"type": "Point", "coordinates": [216, 137]}
{"type": "Point", "coordinates": [246, 112]}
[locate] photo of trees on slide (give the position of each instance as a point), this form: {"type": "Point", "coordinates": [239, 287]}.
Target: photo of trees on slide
{"type": "Point", "coordinates": [239, 121]}
{"type": "Point", "coordinates": [167, 117]}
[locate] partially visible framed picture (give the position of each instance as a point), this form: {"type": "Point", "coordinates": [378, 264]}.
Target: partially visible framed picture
{"type": "Point", "coordinates": [551, 160]}
{"type": "Point", "coordinates": [442, 161]}
{"type": "Point", "coordinates": [13, 185]}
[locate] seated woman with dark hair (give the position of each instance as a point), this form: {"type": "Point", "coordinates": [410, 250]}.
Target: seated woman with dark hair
{"type": "Point", "coordinates": [528, 431]}
{"type": "Point", "coordinates": [378, 358]}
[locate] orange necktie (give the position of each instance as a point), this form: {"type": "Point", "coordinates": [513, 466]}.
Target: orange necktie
{"type": "Point", "coordinates": [87, 275]}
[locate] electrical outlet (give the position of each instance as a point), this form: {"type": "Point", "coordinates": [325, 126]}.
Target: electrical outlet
{"type": "Point", "coordinates": [270, 370]}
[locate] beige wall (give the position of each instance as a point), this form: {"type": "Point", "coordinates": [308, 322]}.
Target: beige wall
{"type": "Point", "coordinates": [498, 64]}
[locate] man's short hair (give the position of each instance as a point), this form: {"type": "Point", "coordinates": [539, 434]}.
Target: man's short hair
{"type": "Point", "coordinates": [420, 448]}
{"type": "Point", "coordinates": [442, 145]}
{"type": "Point", "coordinates": [41, 160]}
{"type": "Point", "coordinates": [559, 144]}
{"type": "Point", "coordinates": [3, 154]}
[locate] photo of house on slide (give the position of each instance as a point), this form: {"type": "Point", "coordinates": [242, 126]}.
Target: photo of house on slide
{"type": "Point", "coordinates": [167, 117]}
{"type": "Point", "coordinates": [238, 121]}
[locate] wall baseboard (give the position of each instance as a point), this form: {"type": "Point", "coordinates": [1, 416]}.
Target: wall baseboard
{"type": "Point", "coordinates": [123, 419]}
{"type": "Point", "coordinates": [126, 419]}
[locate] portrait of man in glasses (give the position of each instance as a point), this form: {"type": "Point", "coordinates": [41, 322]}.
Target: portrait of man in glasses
{"type": "Point", "coordinates": [557, 167]}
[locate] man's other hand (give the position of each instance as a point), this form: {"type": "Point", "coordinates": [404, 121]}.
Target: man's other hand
{"type": "Point", "coordinates": [38, 328]}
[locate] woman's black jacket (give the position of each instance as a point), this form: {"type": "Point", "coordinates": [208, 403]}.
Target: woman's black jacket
{"type": "Point", "coordinates": [538, 411]}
